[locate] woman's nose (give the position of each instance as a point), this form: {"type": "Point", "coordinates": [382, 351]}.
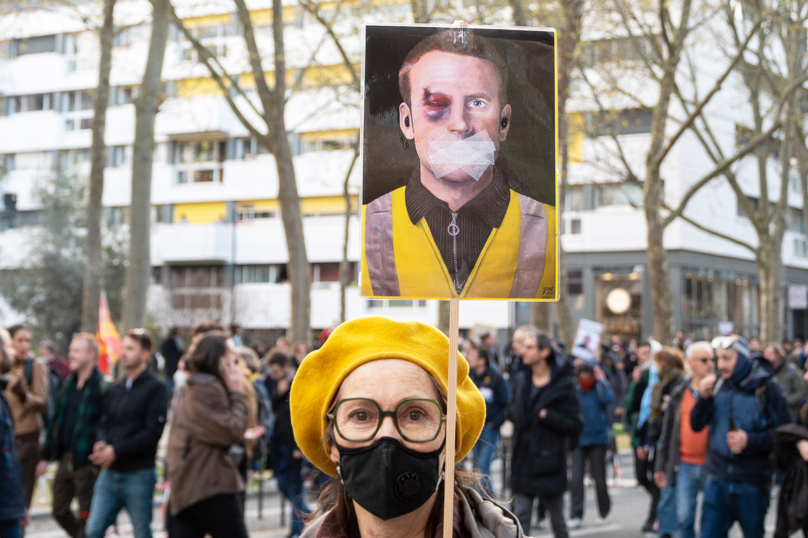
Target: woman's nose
{"type": "Point", "coordinates": [388, 428]}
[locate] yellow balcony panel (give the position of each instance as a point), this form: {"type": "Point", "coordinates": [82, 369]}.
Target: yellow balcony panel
{"type": "Point", "coordinates": [575, 123]}
{"type": "Point", "coordinates": [200, 212]}
{"type": "Point", "coordinates": [325, 205]}
{"type": "Point", "coordinates": [206, 20]}
{"type": "Point", "coordinates": [328, 135]}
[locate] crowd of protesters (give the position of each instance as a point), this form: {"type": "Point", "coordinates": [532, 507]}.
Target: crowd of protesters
{"type": "Point", "coordinates": [230, 414]}
{"type": "Point", "coordinates": [719, 421]}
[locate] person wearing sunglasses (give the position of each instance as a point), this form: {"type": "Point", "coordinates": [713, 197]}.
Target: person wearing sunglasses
{"type": "Point", "coordinates": [369, 409]}
{"type": "Point", "coordinates": [742, 410]}
{"type": "Point", "coordinates": [681, 452]}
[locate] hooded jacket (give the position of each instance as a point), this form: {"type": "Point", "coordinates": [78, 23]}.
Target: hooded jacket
{"type": "Point", "coordinates": [12, 492]}
{"type": "Point", "coordinates": [594, 404]}
{"type": "Point", "coordinates": [540, 444]}
{"type": "Point", "coordinates": [474, 517]}
{"type": "Point", "coordinates": [757, 405]}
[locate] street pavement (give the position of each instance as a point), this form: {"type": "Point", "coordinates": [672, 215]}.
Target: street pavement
{"type": "Point", "coordinates": [629, 508]}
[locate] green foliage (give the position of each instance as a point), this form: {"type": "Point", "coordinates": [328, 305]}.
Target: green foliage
{"type": "Point", "coordinates": [47, 289]}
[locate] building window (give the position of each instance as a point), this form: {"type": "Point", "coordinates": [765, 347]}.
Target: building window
{"type": "Point", "coordinates": [575, 282]}
{"type": "Point", "coordinates": [800, 248]}
{"type": "Point", "coordinates": [8, 161]}
{"type": "Point", "coordinates": [618, 301]}
{"type": "Point", "coordinates": [258, 274]}
{"type": "Point", "coordinates": [34, 45]}
{"type": "Point", "coordinates": [752, 200]}
{"type": "Point", "coordinates": [619, 122]}
{"type": "Point", "coordinates": [122, 95]}
{"type": "Point", "coordinates": [28, 103]}
{"type": "Point", "coordinates": [575, 226]}
{"type": "Point", "coordinates": [164, 213]}
{"type": "Point", "coordinates": [123, 37]}
{"type": "Point", "coordinates": [28, 218]}
{"type": "Point", "coordinates": [395, 303]}
{"type": "Point", "coordinates": [203, 276]}
{"type": "Point", "coordinates": [794, 220]}
{"type": "Point", "coordinates": [580, 198]}
{"type": "Point", "coordinates": [116, 217]}
{"type": "Point", "coordinates": [336, 143]}
{"type": "Point", "coordinates": [116, 155]}
{"type": "Point", "coordinates": [248, 212]}
{"type": "Point", "coordinates": [619, 194]}
{"type": "Point", "coordinates": [619, 49]}
{"type": "Point", "coordinates": [157, 276]}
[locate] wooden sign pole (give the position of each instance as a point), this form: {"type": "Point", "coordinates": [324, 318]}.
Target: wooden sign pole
{"type": "Point", "coordinates": [451, 419]}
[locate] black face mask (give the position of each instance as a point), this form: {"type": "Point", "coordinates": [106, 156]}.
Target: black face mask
{"type": "Point", "coordinates": [388, 479]}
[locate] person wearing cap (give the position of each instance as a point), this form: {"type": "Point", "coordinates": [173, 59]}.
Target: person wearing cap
{"type": "Point", "coordinates": [390, 473]}
{"type": "Point", "coordinates": [742, 409]}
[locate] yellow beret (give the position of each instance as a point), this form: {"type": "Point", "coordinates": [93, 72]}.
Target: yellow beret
{"type": "Point", "coordinates": [367, 339]}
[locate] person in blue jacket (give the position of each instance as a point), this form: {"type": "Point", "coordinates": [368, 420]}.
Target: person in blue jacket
{"type": "Point", "coordinates": [13, 511]}
{"type": "Point", "coordinates": [595, 395]}
{"type": "Point", "coordinates": [497, 394]}
{"type": "Point", "coordinates": [742, 409]}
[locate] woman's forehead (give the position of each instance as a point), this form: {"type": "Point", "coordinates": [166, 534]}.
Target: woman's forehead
{"type": "Point", "coordinates": [388, 380]}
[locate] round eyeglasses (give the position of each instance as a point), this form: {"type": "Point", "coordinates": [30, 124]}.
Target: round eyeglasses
{"type": "Point", "coordinates": [359, 419]}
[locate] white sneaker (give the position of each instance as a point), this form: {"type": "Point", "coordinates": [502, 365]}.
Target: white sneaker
{"type": "Point", "coordinates": [604, 520]}
{"type": "Point", "coordinates": [574, 523]}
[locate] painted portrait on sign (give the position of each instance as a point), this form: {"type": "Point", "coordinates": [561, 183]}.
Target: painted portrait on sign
{"type": "Point", "coordinates": [459, 167]}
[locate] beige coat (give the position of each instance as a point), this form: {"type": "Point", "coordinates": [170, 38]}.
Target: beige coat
{"type": "Point", "coordinates": [481, 518]}
{"type": "Point", "coordinates": [27, 415]}
{"type": "Point", "coordinates": [207, 421]}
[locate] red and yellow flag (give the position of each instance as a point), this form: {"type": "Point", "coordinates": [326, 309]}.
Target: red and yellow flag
{"type": "Point", "coordinates": [109, 341]}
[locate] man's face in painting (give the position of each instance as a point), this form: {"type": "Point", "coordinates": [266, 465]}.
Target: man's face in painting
{"type": "Point", "coordinates": [453, 97]}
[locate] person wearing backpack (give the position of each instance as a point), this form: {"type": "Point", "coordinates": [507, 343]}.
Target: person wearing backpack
{"type": "Point", "coordinates": [742, 409]}
{"type": "Point", "coordinates": [27, 396]}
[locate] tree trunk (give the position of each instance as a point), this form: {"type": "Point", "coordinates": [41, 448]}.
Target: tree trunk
{"type": "Point", "coordinates": [568, 42]}
{"type": "Point", "coordinates": [139, 268]}
{"type": "Point", "coordinates": [298, 270]}
{"type": "Point", "coordinates": [94, 267]}
{"type": "Point", "coordinates": [541, 317]}
{"type": "Point", "coordinates": [343, 266]}
{"type": "Point", "coordinates": [658, 264]}
{"type": "Point", "coordinates": [444, 316]}
{"type": "Point", "coordinates": [770, 268]}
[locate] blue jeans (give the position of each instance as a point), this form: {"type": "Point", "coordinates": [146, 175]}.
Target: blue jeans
{"type": "Point", "coordinates": [666, 511]}
{"type": "Point", "coordinates": [727, 502]}
{"type": "Point", "coordinates": [11, 529]}
{"type": "Point", "coordinates": [290, 482]}
{"type": "Point", "coordinates": [689, 481]}
{"type": "Point", "coordinates": [483, 453]}
{"type": "Point", "coordinates": [115, 491]}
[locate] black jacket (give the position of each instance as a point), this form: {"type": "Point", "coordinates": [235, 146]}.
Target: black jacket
{"type": "Point", "coordinates": [540, 445]}
{"type": "Point", "coordinates": [792, 506]}
{"type": "Point", "coordinates": [667, 454]}
{"type": "Point", "coordinates": [172, 352]}
{"type": "Point", "coordinates": [134, 421]}
{"type": "Point", "coordinates": [282, 432]}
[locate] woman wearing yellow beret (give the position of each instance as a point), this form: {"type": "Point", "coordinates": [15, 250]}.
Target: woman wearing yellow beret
{"type": "Point", "coordinates": [368, 408]}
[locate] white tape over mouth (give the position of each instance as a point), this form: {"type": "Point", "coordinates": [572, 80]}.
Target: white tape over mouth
{"type": "Point", "coordinates": [473, 155]}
